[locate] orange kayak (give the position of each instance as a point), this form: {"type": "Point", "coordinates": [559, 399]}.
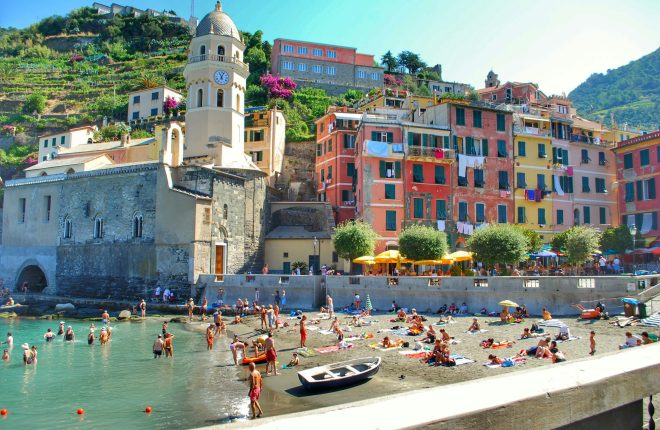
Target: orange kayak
{"type": "Point", "coordinates": [261, 358]}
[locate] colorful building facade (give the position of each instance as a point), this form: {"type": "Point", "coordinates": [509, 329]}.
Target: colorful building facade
{"type": "Point", "coordinates": [265, 135]}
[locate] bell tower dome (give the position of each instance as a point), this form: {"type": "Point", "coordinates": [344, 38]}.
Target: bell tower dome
{"type": "Point", "coordinates": [216, 80]}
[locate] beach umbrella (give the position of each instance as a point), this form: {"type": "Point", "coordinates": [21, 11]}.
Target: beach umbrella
{"type": "Point", "coordinates": [610, 252]}
{"type": "Point", "coordinates": [367, 304]}
{"type": "Point", "coordinates": [366, 259]}
{"type": "Point", "coordinates": [461, 256]}
{"type": "Point", "coordinates": [543, 254]}
{"type": "Point", "coordinates": [508, 303]}
{"type": "Point", "coordinates": [391, 256]}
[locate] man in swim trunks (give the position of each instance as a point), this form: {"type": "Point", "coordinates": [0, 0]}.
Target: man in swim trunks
{"type": "Point", "coordinates": [158, 346]}
{"type": "Point", "coordinates": [143, 308]}
{"type": "Point", "coordinates": [255, 391]}
{"type": "Point", "coordinates": [271, 354]}
{"type": "Point", "coordinates": [217, 319]}
{"type": "Point", "coordinates": [105, 317]}
{"type": "Point", "coordinates": [209, 337]}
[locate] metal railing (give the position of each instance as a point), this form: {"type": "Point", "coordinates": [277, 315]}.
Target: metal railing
{"type": "Point", "coordinates": [218, 58]}
{"type": "Point", "coordinates": [423, 151]}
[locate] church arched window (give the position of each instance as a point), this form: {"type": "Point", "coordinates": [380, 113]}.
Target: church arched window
{"type": "Point", "coordinates": [202, 50]}
{"type": "Point", "coordinates": [220, 98]}
{"type": "Point", "coordinates": [200, 97]}
{"type": "Point", "coordinates": [137, 226]}
{"type": "Point", "coordinates": [221, 50]}
{"type": "Point", "coordinates": [98, 227]}
{"type": "Point", "coordinates": [68, 228]}
{"type": "Point", "coordinates": [225, 211]}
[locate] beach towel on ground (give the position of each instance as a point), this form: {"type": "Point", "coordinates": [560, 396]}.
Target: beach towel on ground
{"type": "Point", "coordinates": [551, 323]}
{"type": "Point", "coordinates": [476, 332]}
{"type": "Point", "coordinates": [379, 347]}
{"type": "Point", "coordinates": [652, 321]}
{"type": "Point", "coordinates": [326, 332]}
{"type": "Point", "coordinates": [414, 354]}
{"type": "Point", "coordinates": [569, 339]}
{"type": "Point", "coordinates": [459, 359]}
{"type": "Point", "coordinates": [516, 361]}
{"type": "Point", "coordinates": [332, 348]}
{"type": "Point", "coordinates": [311, 327]}
{"type": "Point", "coordinates": [498, 345]}
{"type": "Point", "coordinates": [305, 352]}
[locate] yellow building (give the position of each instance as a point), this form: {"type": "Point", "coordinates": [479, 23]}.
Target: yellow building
{"type": "Point", "coordinates": [388, 98]}
{"type": "Point", "coordinates": [533, 171]}
{"type": "Point", "coordinates": [265, 135]}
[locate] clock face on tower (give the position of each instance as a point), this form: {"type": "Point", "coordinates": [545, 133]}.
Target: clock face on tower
{"type": "Point", "coordinates": [221, 77]}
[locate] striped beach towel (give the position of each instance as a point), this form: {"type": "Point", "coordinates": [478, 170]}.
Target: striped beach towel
{"type": "Point", "coordinates": [551, 323]}
{"type": "Point", "coordinates": [652, 321]}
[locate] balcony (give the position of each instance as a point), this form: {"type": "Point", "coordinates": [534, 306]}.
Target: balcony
{"type": "Point", "coordinates": [519, 129]}
{"type": "Point", "coordinates": [580, 138]}
{"type": "Point", "coordinates": [432, 154]}
{"type": "Point", "coordinates": [425, 222]}
{"type": "Point", "coordinates": [219, 59]}
{"type": "Point", "coordinates": [382, 149]}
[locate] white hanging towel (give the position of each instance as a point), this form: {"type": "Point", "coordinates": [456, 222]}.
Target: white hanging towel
{"type": "Point", "coordinates": [647, 222]}
{"type": "Point", "coordinates": [462, 165]}
{"type": "Point", "coordinates": [441, 225]}
{"type": "Point", "coordinates": [558, 186]}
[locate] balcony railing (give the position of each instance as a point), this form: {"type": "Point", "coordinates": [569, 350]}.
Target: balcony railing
{"type": "Point", "coordinates": [590, 140]}
{"type": "Point", "coordinates": [217, 58]}
{"type": "Point", "coordinates": [519, 129]}
{"type": "Point", "coordinates": [424, 151]}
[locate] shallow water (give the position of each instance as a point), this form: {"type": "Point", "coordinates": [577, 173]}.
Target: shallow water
{"type": "Point", "coordinates": [114, 383]}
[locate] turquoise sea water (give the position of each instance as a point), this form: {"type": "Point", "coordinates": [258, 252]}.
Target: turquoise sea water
{"type": "Point", "coordinates": [114, 383]}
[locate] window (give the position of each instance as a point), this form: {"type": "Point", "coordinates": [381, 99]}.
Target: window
{"type": "Point", "coordinates": [390, 220]}
{"type": "Point", "coordinates": [221, 50]}
{"type": "Point", "coordinates": [503, 179]}
{"type": "Point", "coordinates": [600, 185]}
{"type": "Point", "coordinates": [68, 228]}
{"type": "Point", "coordinates": [501, 214]}
{"type": "Point", "coordinates": [521, 215]}
{"type": "Point", "coordinates": [382, 136]}
{"type": "Point", "coordinates": [520, 180]}
{"type": "Point", "coordinates": [375, 76]}
{"type": "Point", "coordinates": [478, 178]}
{"type": "Point", "coordinates": [45, 143]}
{"type": "Point", "coordinates": [137, 226]}
{"type": "Point", "coordinates": [501, 148]}
{"type": "Point", "coordinates": [136, 115]}
{"type": "Point", "coordinates": [560, 216]}
{"type": "Point", "coordinates": [322, 175]}
{"type": "Point", "coordinates": [602, 215]}
{"type": "Point", "coordinates": [493, 97]}
{"type": "Point", "coordinates": [331, 54]}
{"type": "Point", "coordinates": [476, 118]}
{"type": "Point", "coordinates": [238, 103]}
{"type": "Point", "coordinates": [47, 202]}
{"type": "Point", "coordinates": [540, 181]}
{"type": "Point", "coordinates": [350, 169]}
{"type": "Point", "coordinates": [302, 50]}
{"type": "Point", "coordinates": [645, 189]}
{"type": "Point", "coordinates": [361, 74]}
{"type": "Point", "coordinates": [480, 212]}
{"type": "Point", "coordinates": [349, 141]}
{"type": "Point", "coordinates": [330, 70]}
{"type": "Point", "coordinates": [541, 215]}
{"type": "Point", "coordinates": [62, 140]}
{"type": "Point", "coordinates": [462, 211]}
{"type": "Point", "coordinates": [345, 195]}
{"type": "Point", "coordinates": [329, 172]}
{"type": "Point", "coordinates": [54, 141]}
{"type": "Point", "coordinates": [522, 149]}
{"type": "Point", "coordinates": [418, 208]}
{"type": "Point", "coordinates": [501, 122]}
{"type": "Point", "coordinates": [154, 112]}
{"type": "Point", "coordinates": [601, 158]}
{"type": "Point", "coordinates": [484, 147]}
{"type": "Point", "coordinates": [440, 174]}
{"type": "Point", "coordinates": [154, 95]}
{"type": "Point", "coordinates": [329, 145]}
{"type": "Point", "coordinates": [317, 69]}
{"type": "Point", "coordinates": [287, 49]}
{"type": "Point", "coordinates": [317, 52]}
{"type": "Point", "coordinates": [644, 157]}
{"type": "Point", "coordinates": [287, 65]}
{"type": "Point", "coordinates": [200, 97]}
{"type": "Point", "coordinates": [98, 228]}
{"type": "Point", "coordinates": [136, 100]}
{"type": "Point", "coordinates": [318, 149]}
{"type": "Point", "coordinates": [469, 146]}
{"type": "Point", "coordinates": [585, 184]}
{"type": "Point", "coordinates": [630, 192]}
{"type": "Point", "coordinates": [44, 158]}
{"type": "Point", "coordinates": [302, 67]}
{"type": "Point", "coordinates": [441, 209]}
{"type": "Point", "coordinates": [202, 50]}
{"type": "Point", "coordinates": [576, 217]}
{"type": "Point", "coordinates": [257, 156]}
{"type": "Point", "coordinates": [462, 181]}
{"type": "Point", "coordinates": [586, 211]}
{"type": "Point", "coordinates": [389, 169]}
{"type": "Point", "coordinates": [585, 156]}
{"type": "Point", "coordinates": [542, 153]}
{"type": "Point", "coordinates": [21, 210]}
{"type": "Point", "coordinates": [390, 191]}
{"type": "Point", "coordinates": [225, 211]}
{"type": "Point", "coordinates": [418, 173]}
{"type": "Point", "coordinates": [460, 116]}
{"type": "Point", "coordinates": [627, 161]}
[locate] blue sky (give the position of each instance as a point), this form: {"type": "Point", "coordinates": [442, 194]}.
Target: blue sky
{"type": "Point", "coordinates": [556, 43]}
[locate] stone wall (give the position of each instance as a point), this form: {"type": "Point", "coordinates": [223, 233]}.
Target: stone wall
{"type": "Point", "coordinates": [297, 176]}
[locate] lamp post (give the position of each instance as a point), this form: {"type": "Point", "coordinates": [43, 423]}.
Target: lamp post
{"type": "Point", "coordinates": [633, 233]}
{"type": "Point", "coordinates": [316, 244]}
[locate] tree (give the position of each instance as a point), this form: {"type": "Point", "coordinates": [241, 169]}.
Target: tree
{"type": "Point", "coordinates": [354, 239]}
{"type": "Point", "coordinates": [534, 242]}
{"type": "Point", "coordinates": [410, 61]}
{"type": "Point", "coordinates": [498, 243]}
{"type": "Point", "coordinates": [429, 74]}
{"type": "Point", "coordinates": [35, 103]}
{"type": "Point", "coordinates": [618, 239]}
{"type": "Point", "coordinates": [581, 241]}
{"type": "Point", "coordinates": [419, 242]}
{"type": "Point", "coordinates": [277, 86]}
{"type": "Point", "coordinates": [558, 242]}
{"type": "Point", "coordinates": [389, 61]}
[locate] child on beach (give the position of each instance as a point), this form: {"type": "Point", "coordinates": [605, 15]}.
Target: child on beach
{"type": "Point", "coordinates": [592, 343]}
{"type": "Point", "coordinates": [294, 360]}
{"type": "Point", "coordinates": [209, 337]}
{"type": "Point", "coordinates": [303, 331]}
{"type": "Point", "coordinates": [5, 356]}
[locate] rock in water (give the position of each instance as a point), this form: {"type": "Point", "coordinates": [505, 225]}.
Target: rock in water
{"type": "Point", "coordinates": [63, 307]}
{"type": "Point", "coordinates": [124, 315]}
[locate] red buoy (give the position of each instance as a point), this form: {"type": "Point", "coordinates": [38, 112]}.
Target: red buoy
{"type": "Point", "coordinates": [3, 412]}
{"type": "Point", "coordinates": [80, 411]}
{"type": "Point", "coordinates": [148, 409]}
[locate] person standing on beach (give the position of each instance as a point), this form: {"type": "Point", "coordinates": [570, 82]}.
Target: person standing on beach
{"type": "Point", "coordinates": [158, 346]}
{"type": "Point", "coordinates": [235, 346]}
{"type": "Point", "coordinates": [331, 307]}
{"type": "Point", "coordinates": [255, 391]}
{"type": "Point", "coordinates": [283, 299]}
{"type": "Point", "coordinates": [303, 331]}
{"type": "Point", "coordinates": [209, 337]}
{"type": "Point", "coordinates": [262, 314]}
{"type": "Point", "coordinates": [271, 354]}
{"type": "Point", "coordinates": [143, 308]}
{"type": "Point", "coordinates": [105, 317]}
{"type": "Point", "coordinates": [205, 305]}
{"type": "Point", "coordinates": [191, 308]}
{"type": "Point", "coordinates": [217, 319]}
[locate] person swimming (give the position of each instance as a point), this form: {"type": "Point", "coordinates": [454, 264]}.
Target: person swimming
{"type": "Point", "coordinates": [69, 336]}
{"type": "Point", "coordinates": [90, 337]}
{"type": "Point", "coordinates": [5, 356]}
{"type": "Point", "coordinates": [60, 331]}
{"type": "Point", "coordinates": [49, 335]}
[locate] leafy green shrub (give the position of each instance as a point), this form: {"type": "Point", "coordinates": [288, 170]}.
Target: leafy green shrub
{"type": "Point", "coordinates": [419, 242]}
{"type": "Point", "coordinates": [35, 103]}
{"type": "Point", "coordinates": [498, 243]}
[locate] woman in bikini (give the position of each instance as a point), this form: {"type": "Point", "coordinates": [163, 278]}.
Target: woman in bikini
{"type": "Point", "coordinates": [475, 327]}
{"type": "Point", "coordinates": [495, 360]}
{"type": "Point", "coordinates": [104, 337]}
{"type": "Point", "coordinates": [430, 335]}
{"type": "Point", "coordinates": [209, 337]}
{"type": "Point", "coordinates": [169, 349]}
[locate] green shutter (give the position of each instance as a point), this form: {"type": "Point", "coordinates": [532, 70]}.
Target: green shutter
{"type": "Point", "coordinates": [570, 184]}
{"type": "Point", "coordinates": [554, 155]}
{"type": "Point", "coordinates": [383, 169]}
{"type": "Point", "coordinates": [445, 140]}
{"type": "Point", "coordinates": [640, 190]}
{"type": "Point", "coordinates": [541, 216]}
{"type": "Point", "coordinates": [390, 137]}
{"type": "Point", "coordinates": [602, 215]}
{"type": "Point", "coordinates": [397, 169]}
{"type": "Point", "coordinates": [374, 135]}
{"type": "Point", "coordinates": [439, 174]}
{"type": "Point", "coordinates": [418, 208]}
{"type": "Point", "coordinates": [587, 215]}
{"type": "Point", "coordinates": [484, 147]}
{"type": "Point", "coordinates": [651, 185]}
{"type": "Point", "coordinates": [560, 217]}
{"type": "Point", "coordinates": [410, 138]}
{"type": "Point", "coordinates": [521, 215]}
{"type": "Point", "coordinates": [564, 157]}
{"type": "Point", "coordinates": [441, 209]}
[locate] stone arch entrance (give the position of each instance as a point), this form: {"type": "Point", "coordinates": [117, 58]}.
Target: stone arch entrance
{"type": "Point", "coordinates": [34, 276]}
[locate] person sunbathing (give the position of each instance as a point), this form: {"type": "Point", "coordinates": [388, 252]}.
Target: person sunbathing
{"type": "Point", "coordinates": [446, 319]}
{"type": "Point", "coordinates": [526, 334]}
{"type": "Point", "coordinates": [417, 326]}
{"type": "Point", "coordinates": [413, 316]}
{"type": "Point", "coordinates": [547, 316]}
{"type": "Point", "coordinates": [444, 358]}
{"type": "Point", "coordinates": [323, 310]}
{"type": "Point", "coordinates": [487, 343]}
{"type": "Point", "coordinates": [401, 315]}
{"type": "Point", "coordinates": [631, 341]}
{"type": "Point", "coordinates": [434, 355]}
{"type": "Point", "coordinates": [475, 327]}
{"type": "Point", "coordinates": [564, 333]}
{"type": "Point", "coordinates": [646, 339]}
{"type": "Point", "coordinates": [430, 335]}
{"type": "Point", "coordinates": [495, 360]}
{"type": "Point", "coordinates": [445, 336]}
{"type": "Point", "coordinates": [334, 327]}
{"type": "Point", "coordinates": [387, 343]}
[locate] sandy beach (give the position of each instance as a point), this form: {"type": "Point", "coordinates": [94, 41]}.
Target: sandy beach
{"type": "Point", "coordinates": [400, 373]}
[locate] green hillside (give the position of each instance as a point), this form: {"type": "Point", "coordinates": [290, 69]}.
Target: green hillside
{"type": "Point", "coordinates": [631, 93]}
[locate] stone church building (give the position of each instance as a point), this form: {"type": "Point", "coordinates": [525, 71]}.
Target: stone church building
{"type": "Point", "coordinates": [120, 230]}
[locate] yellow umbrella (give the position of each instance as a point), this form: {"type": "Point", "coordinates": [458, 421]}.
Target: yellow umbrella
{"type": "Point", "coordinates": [461, 256]}
{"type": "Point", "coordinates": [428, 262]}
{"type": "Point", "coordinates": [438, 261]}
{"type": "Point", "coordinates": [508, 303]}
{"type": "Point", "coordinates": [366, 259]}
{"type": "Point", "coordinates": [447, 259]}
{"type": "Point", "coordinates": [391, 256]}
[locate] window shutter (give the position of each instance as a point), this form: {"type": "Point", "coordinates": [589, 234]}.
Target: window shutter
{"type": "Point", "coordinates": [390, 137]}
{"type": "Point", "coordinates": [570, 184]}
{"type": "Point", "coordinates": [397, 169]}
{"type": "Point", "coordinates": [651, 185]}
{"type": "Point", "coordinates": [374, 135]}
{"type": "Point", "coordinates": [553, 183]}
{"type": "Point", "coordinates": [484, 147]}
{"type": "Point", "coordinates": [410, 138]}
{"type": "Point", "coordinates": [383, 169]}
{"type": "Point", "coordinates": [564, 157]}
{"type": "Point", "coordinates": [640, 190]}
{"type": "Point", "coordinates": [554, 155]}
